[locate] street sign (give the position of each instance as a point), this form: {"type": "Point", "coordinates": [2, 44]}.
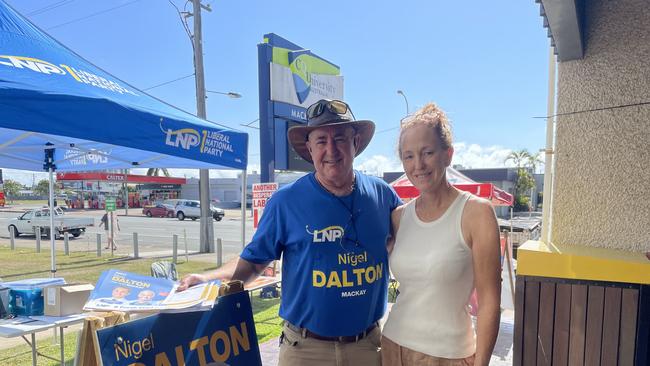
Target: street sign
{"type": "Point", "coordinates": [110, 204]}
{"type": "Point", "coordinates": [261, 193]}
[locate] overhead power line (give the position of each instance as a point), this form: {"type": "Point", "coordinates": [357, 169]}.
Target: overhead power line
{"type": "Point", "coordinates": [52, 6]}
{"type": "Point", "coordinates": [93, 14]}
{"type": "Point", "coordinates": [386, 130]}
{"type": "Point", "coordinates": [597, 109]}
{"type": "Point", "coordinates": [168, 82]}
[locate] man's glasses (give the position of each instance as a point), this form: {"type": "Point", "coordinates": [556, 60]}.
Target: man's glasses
{"type": "Point", "coordinates": [334, 106]}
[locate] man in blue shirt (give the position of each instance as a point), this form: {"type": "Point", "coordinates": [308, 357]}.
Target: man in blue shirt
{"type": "Point", "coordinates": [330, 228]}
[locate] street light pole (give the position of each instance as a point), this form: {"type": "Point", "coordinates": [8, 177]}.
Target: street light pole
{"type": "Point", "coordinates": [207, 233]}
{"type": "Point", "coordinates": [231, 94]}
{"type": "Point", "coordinates": [405, 100]}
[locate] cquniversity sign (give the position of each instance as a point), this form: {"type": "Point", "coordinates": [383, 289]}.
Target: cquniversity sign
{"type": "Point", "coordinates": [300, 78]}
{"type": "Point", "coordinates": [290, 79]}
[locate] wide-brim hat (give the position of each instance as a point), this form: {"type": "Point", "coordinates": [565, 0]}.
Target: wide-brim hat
{"type": "Point", "coordinates": [297, 135]}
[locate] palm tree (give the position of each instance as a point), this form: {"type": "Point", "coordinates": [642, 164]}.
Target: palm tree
{"type": "Point", "coordinates": [155, 172]}
{"type": "Point", "coordinates": [521, 158]}
{"type": "Point", "coordinates": [524, 161]}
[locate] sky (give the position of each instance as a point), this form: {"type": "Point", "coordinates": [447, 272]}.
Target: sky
{"type": "Point", "coordinates": [484, 63]}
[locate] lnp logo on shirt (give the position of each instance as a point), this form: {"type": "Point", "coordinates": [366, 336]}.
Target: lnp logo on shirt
{"type": "Point", "coordinates": [329, 234]}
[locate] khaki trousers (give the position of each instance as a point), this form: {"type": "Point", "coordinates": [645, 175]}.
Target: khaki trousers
{"type": "Point", "coordinates": [392, 354]}
{"type": "Point", "coordinates": [298, 351]}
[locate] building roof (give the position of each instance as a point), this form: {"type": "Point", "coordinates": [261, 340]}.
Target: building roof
{"type": "Point", "coordinates": [490, 175]}
{"type": "Point", "coordinates": [564, 20]}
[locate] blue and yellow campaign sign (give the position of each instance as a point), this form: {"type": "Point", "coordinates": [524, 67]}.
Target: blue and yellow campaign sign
{"type": "Point", "coordinates": [223, 336]}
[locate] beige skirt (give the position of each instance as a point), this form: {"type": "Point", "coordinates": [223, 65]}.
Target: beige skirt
{"type": "Point", "coordinates": [392, 354]}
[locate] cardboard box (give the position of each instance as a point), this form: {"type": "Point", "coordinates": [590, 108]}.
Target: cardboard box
{"type": "Point", "coordinates": [66, 299]}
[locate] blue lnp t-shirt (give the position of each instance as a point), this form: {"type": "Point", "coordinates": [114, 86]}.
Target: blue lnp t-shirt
{"type": "Point", "coordinates": [335, 264]}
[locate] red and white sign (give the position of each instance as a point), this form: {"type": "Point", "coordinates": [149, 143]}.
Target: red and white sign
{"type": "Point", "coordinates": [116, 177]}
{"type": "Point", "coordinates": [261, 193]}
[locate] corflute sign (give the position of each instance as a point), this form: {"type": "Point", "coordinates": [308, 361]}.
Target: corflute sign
{"type": "Point", "coordinates": [224, 335]}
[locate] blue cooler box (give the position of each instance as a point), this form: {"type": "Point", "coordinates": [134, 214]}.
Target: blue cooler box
{"type": "Point", "coordinates": [26, 296]}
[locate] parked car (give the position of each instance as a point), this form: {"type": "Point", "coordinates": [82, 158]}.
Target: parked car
{"type": "Point", "coordinates": [192, 209]}
{"type": "Point", "coordinates": [217, 213]}
{"type": "Point", "coordinates": [159, 210]}
{"type": "Point", "coordinates": [30, 220]}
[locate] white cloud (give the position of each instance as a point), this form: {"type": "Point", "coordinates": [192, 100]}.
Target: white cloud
{"type": "Point", "coordinates": [378, 164]}
{"type": "Point", "coordinates": [474, 156]}
{"type": "Point", "coordinates": [470, 156]}
{"type": "Point", "coordinates": [24, 177]}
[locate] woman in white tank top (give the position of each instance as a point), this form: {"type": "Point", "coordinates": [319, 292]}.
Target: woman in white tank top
{"type": "Point", "coordinates": [446, 244]}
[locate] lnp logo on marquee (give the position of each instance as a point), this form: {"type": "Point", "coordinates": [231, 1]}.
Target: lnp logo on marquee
{"type": "Point", "coordinates": [48, 68]}
{"type": "Point", "coordinates": [185, 138]}
{"type": "Point", "coordinates": [31, 63]}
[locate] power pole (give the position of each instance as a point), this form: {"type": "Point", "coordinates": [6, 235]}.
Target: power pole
{"type": "Point", "coordinates": [207, 234]}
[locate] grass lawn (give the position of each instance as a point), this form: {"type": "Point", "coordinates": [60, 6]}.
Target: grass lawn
{"type": "Point", "coordinates": [10, 202]}
{"type": "Point", "coordinates": [86, 267]}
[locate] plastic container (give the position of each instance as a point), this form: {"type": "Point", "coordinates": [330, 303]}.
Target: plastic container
{"type": "Point", "coordinates": [26, 296]}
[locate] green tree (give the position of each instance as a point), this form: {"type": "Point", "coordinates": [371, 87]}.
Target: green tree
{"type": "Point", "coordinates": [157, 171]}
{"type": "Point", "coordinates": [42, 188]}
{"type": "Point", "coordinates": [12, 189]}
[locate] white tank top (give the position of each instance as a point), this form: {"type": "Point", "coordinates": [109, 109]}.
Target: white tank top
{"type": "Point", "coordinates": [433, 266]}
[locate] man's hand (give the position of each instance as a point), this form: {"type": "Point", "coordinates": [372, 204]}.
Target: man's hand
{"type": "Point", "coordinates": [191, 280]}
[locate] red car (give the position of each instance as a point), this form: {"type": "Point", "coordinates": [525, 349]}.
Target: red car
{"type": "Point", "coordinates": [159, 210]}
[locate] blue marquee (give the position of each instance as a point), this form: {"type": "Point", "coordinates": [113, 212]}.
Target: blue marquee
{"type": "Point", "coordinates": [53, 99]}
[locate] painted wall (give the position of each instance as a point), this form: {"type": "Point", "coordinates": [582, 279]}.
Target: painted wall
{"type": "Point", "coordinates": [602, 177]}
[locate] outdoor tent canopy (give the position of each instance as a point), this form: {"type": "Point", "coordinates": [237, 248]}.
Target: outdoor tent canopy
{"type": "Point", "coordinates": [50, 94]}
{"type": "Point", "coordinates": [498, 197]}
{"type": "Point", "coordinates": [59, 112]}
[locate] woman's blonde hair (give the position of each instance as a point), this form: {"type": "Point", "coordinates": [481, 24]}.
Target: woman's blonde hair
{"type": "Point", "coordinates": [429, 115]}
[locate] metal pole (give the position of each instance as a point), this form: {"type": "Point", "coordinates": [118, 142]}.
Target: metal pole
{"type": "Point", "coordinates": [136, 250]}
{"type": "Point", "coordinates": [126, 193]}
{"type": "Point", "coordinates": [207, 234]}
{"type": "Point", "coordinates": [175, 249]}
{"type": "Point", "coordinates": [99, 244]}
{"type": "Point", "coordinates": [219, 252]}
{"type": "Point", "coordinates": [111, 240]}
{"type": "Point", "coordinates": [243, 208]}
{"type": "Point", "coordinates": [508, 255]}
{"type": "Point", "coordinates": [548, 159]}
{"type": "Point", "coordinates": [37, 232]}
{"type": "Point", "coordinates": [52, 228]}
{"type": "Point", "coordinates": [187, 259]}
{"type": "Point", "coordinates": [405, 100]}
{"type": "Point", "coordinates": [12, 237]}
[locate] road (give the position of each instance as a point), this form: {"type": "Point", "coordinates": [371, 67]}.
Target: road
{"type": "Point", "coordinates": [154, 234]}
